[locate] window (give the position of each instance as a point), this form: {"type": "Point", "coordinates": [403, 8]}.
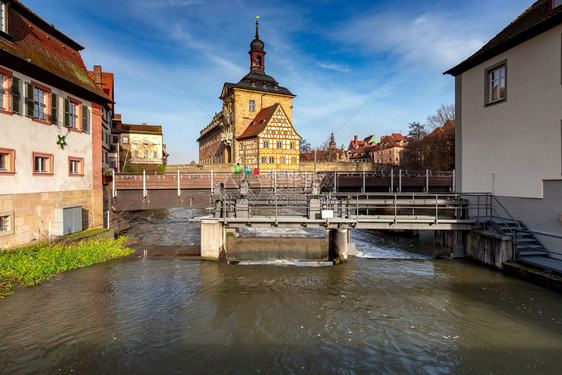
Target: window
{"type": "Point", "coordinates": [7, 159]}
{"type": "Point", "coordinates": [283, 160]}
{"type": "Point", "coordinates": [136, 154]}
{"type": "Point", "coordinates": [42, 164]}
{"type": "Point", "coordinates": [272, 159]}
{"type": "Point", "coordinates": [263, 160]}
{"type": "Point", "coordinates": [279, 144]}
{"type": "Point", "coordinates": [145, 141]}
{"type": "Point", "coordinates": [294, 160]}
{"type": "Point", "coordinates": [155, 141]}
{"type": "Point", "coordinates": [3, 17]}
{"type": "Point", "coordinates": [291, 145]}
{"type": "Point", "coordinates": [36, 101]}
{"type": "Point", "coordinates": [125, 140]}
{"type": "Point", "coordinates": [155, 154]}
{"type": "Point", "coordinates": [146, 154]}
{"type": "Point", "coordinates": [115, 139]}
{"type": "Point", "coordinates": [496, 83]}
{"type": "Point", "coordinates": [252, 106]}
{"type": "Point", "coordinates": [265, 144]}
{"type": "Point", "coordinates": [5, 224]}
{"type": "Point", "coordinates": [556, 3]}
{"type": "Point", "coordinates": [75, 166]}
{"type": "Point", "coordinates": [136, 140]}
{"type": "Point", "coordinates": [71, 113]}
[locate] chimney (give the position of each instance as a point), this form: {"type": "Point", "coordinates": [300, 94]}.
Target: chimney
{"type": "Point", "coordinates": [355, 139]}
{"type": "Point", "coordinates": [97, 75]}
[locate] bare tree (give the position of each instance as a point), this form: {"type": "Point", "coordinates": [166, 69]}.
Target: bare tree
{"type": "Point", "coordinates": [305, 146]}
{"type": "Point", "coordinates": [442, 115]}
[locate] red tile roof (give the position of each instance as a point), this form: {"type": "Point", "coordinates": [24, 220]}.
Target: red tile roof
{"type": "Point", "coordinates": [39, 44]}
{"type": "Point", "coordinates": [440, 131]}
{"type": "Point", "coordinates": [259, 122]}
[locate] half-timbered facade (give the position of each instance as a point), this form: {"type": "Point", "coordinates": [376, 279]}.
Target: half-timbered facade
{"type": "Point", "coordinates": [270, 142]}
{"type": "Point", "coordinates": [219, 142]}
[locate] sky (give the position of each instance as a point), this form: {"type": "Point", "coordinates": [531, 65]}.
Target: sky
{"type": "Point", "coordinates": [358, 67]}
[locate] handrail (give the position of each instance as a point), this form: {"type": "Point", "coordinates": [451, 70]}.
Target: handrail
{"type": "Point", "coordinates": [517, 233]}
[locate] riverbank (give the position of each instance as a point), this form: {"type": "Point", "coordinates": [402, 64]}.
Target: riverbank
{"type": "Point", "coordinates": [33, 264]}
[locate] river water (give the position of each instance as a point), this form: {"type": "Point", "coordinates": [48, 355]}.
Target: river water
{"type": "Point", "coordinates": [390, 310]}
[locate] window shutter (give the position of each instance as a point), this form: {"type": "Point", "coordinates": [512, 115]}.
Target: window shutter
{"type": "Point", "coordinates": [54, 109]}
{"type": "Point", "coordinates": [16, 96]}
{"type": "Point", "coordinates": [66, 113]}
{"type": "Point", "coordinates": [29, 100]}
{"type": "Point", "coordinates": [85, 119]}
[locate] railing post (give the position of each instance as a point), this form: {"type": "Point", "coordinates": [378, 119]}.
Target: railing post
{"type": "Point", "coordinates": [113, 183]}
{"type": "Point", "coordinates": [400, 180]}
{"type": "Point", "coordinates": [275, 182]}
{"type": "Point", "coordinates": [427, 180]}
{"type": "Point", "coordinates": [436, 209]}
{"type": "Point", "coordinates": [144, 184]}
{"type": "Point", "coordinates": [213, 181]}
{"type": "Point", "coordinates": [391, 180]}
{"type": "Point", "coordinates": [395, 208]}
{"type": "Point", "coordinates": [454, 182]}
{"type": "Point", "coordinates": [363, 190]}
{"type": "Point", "coordinates": [107, 219]}
{"type": "Point", "coordinates": [179, 189]}
{"type": "Point", "coordinates": [305, 180]}
{"type": "Point", "coordinates": [335, 181]}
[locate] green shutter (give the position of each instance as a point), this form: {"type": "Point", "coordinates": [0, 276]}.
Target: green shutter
{"type": "Point", "coordinates": [66, 113]}
{"type": "Point", "coordinates": [54, 109]}
{"type": "Point", "coordinates": [29, 100]}
{"type": "Point", "coordinates": [16, 96]}
{"type": "Point", "coordinates": [85, 118]}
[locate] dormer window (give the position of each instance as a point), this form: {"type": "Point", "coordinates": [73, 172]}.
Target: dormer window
{"type": "Point", "coordinates": [556, 3]}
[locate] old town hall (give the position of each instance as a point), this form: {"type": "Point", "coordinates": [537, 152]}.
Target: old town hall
{"type": "Point", "coordinates": [254, 127]}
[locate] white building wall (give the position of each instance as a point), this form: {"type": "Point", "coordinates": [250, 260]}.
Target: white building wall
{"type": "Point", "coordinates": [27, 136]}
{"type": "Point", "coordinates": [510, 148]}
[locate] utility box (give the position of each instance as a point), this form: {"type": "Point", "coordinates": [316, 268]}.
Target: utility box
{"type": "Point", "coordinates": [68, 220]}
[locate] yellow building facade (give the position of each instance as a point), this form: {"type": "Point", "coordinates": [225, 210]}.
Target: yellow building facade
{"type": "Point", "coordinates": [242, 102]}
{"type": "Point", "coordinates": [270, 142]}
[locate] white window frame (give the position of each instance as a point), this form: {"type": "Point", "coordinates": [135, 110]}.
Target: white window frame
{"type": "Point", "coordinates": [3, 17]}
{"type": "Point", "coordinates": [500, 80]}
{"type": "Point", "coordinates": [155, 141]}
{"type": "Point", "coordinates": [252, 106]}
{"type": "Point", "coordinates": [135, 141]}
{"type": "Point", "coordinates": [72, 114]}
{"type": "Point", "coordinates": [145, 141]}
{"type": "Point", "coordinates": [39, 103]}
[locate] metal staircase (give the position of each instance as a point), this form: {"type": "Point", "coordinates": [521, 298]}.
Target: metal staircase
{"type": "Point", "coordinates": [527, 248]}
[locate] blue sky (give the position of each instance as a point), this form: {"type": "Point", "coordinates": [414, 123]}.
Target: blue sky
{"type": "Point", "coordinates": [333, 54]}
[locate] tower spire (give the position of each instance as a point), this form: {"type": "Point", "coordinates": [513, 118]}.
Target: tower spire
{"type": "Point", "coordinates": [257, 27]}
{"type": "Point", "coordinates": [257, 54]}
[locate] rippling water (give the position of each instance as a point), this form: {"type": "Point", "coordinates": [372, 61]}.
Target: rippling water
{"type": "Point", "coordinates": [370, 315]}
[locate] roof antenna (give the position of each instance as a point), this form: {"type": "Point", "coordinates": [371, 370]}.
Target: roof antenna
{"type": "Point", "coordinates": [257, 25]}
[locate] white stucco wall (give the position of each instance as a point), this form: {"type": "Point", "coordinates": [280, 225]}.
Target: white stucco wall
{"type": "Point", "coordinates": [510, 148]}
{"type": "Point", "coordinates": [27, 136]}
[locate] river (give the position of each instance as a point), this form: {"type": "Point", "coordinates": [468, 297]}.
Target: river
{"type": "Point", "coordinates": [390, 310]}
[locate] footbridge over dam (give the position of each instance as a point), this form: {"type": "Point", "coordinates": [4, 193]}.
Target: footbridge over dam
{"type": "Point", "coordinates": [335, 212]}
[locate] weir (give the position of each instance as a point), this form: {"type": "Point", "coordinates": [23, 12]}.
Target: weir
{"type": "Point", "coordinates": [335, 212]}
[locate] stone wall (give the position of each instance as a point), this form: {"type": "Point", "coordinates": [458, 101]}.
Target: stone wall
{"type": "Point", "coordinates": [30, 214]}
{"type": "Point", "coordinates": [489, 248]}
{"type": "Point", "coordinates": [274, 248]}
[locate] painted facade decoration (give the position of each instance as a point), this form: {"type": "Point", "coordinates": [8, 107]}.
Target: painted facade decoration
{"type": "Point", "coordinates": [270, 142]}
